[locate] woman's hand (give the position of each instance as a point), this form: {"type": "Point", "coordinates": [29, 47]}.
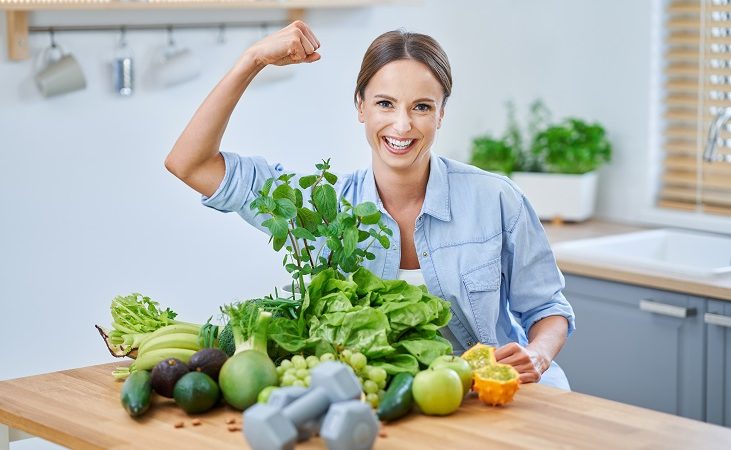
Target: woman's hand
{"type": "Point", "coordinates": [293, 44]}
{"type": "Point", "coordinates": [528, 362]}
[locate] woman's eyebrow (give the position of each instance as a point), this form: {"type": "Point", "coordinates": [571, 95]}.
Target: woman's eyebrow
{"type": "Point", "coordinates": [420, 100]}
{"type": "Point", "coordinates": [384, 96]}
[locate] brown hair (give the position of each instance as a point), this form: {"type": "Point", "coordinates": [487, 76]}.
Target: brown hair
{"type": "Point", "coordinates": [397, 45]}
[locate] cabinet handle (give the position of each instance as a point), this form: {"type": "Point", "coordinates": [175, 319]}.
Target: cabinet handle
{"type": "Point", "coordinates": [717, 319]}
{"type": "Point", "coordinates": [665, 309]}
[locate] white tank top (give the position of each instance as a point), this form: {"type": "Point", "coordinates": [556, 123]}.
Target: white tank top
{"type": "Point", "coordinates": [415, 277]}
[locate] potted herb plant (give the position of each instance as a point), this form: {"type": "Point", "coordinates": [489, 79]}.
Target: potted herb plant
{"type": "Point", "coordinates": [558, 170]}
{"type": "Point", "coordinates": [569, 154]}
{"type": "Point", "coordinates": [501, 155]}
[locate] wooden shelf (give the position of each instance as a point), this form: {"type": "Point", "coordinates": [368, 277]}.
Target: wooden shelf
{"type": "Point", "coordinates": [17, 11]}
{"type": "Point", "coordinates": [117, 5]}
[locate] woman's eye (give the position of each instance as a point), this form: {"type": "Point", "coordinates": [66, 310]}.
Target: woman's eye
{"type": "Point", "coordinates": [423, 107]}
{"type": "Point", "coordinates": [384, 104]}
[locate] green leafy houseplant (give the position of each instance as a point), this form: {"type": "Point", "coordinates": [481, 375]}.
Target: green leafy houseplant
{"type": "Point", "coordinates": [297, 226]}
{"type": "Point", "coordinates": [572, 147]}
{"type": "Point", "coordinates": [499, 154]}
{"type": "Point", "coordinates": [493, 155]}
{"type": "Point", "coordinates": [508, 153]}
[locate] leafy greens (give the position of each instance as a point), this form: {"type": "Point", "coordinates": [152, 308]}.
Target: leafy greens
{"type": "Point", "coordinates": [391, 322]}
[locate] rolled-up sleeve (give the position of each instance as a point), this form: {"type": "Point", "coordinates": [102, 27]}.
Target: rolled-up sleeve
{"type": "Point", "coordinates": [534, 278]}
{"type": "Point", "coordinates": [245, 176]}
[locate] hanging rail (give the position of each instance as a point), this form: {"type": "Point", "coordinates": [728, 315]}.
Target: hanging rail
{"type": "Point", "coordinates": [157, 26]}
{"type": "Point", "coordinates": [18, 28]}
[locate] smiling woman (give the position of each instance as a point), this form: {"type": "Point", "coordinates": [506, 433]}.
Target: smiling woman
{"type": "Point", "coordinates": [470, 236]}
{"type": "Point", "coordinates": [402, 88]}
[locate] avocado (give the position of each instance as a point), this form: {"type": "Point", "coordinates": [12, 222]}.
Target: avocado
{"type": "Point", "coordinates": [165, 374]}
{"type": "Point", "coordinates": [208, 361]}
{"type": "Point", "coordinates": [196, 392]}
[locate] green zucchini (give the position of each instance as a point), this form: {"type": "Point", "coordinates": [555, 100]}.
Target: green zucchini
{"type": "Point", "coordinates": [398, 400]}
{"type": "Point", "coordinates": [137, 392]}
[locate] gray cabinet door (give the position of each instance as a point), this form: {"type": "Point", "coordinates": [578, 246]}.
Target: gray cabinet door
{"type": "Point", "coordinates": [622, 351]}
{"type": "Point", "coordinates": [718, 375]}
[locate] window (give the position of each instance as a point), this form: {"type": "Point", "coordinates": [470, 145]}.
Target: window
{"type": "Point", "coordinates": [697, 85]}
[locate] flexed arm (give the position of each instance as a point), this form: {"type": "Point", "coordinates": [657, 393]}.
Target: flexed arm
{"type": "Point", "coordinates": [195, 157]}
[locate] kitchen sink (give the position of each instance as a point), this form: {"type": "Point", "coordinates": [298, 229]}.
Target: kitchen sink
{"type": "Point", "coordinates": [681, 252]}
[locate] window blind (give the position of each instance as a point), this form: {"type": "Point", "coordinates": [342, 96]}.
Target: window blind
{"type": "Point", "coordinates": [697, 84]}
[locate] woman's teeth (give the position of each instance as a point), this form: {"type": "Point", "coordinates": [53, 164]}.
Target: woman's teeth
{"type": "Point", "coordinates": [398, 144]}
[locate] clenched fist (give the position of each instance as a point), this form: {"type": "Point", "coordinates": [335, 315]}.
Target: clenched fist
{"type": "Point", "coordinates": [293, 44]}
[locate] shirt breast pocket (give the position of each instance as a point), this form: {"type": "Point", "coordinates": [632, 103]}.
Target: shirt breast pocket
{"type": "Point", "coordinates": [482, 289]}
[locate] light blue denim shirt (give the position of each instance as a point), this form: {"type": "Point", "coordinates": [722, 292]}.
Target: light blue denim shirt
{"type": "Point", "coordinates": [480, 245]}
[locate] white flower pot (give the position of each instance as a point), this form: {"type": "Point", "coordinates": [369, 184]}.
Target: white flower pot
{"type": "Point", "coordinates": [557, 196]}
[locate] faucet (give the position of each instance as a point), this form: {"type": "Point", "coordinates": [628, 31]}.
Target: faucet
{"type": "Point", "coordinates": [709, 154]}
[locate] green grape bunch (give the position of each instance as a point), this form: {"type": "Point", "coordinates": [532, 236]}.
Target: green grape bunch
{"type": "Point", "coordinates": [296, 372]}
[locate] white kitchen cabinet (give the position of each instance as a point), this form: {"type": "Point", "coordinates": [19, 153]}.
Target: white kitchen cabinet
{"type": "Point", "coordinates": [638, 345]}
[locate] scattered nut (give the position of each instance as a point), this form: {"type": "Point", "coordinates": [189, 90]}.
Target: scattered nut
{"type": "Point", "coordinates": [196, 422]}
{"type": "Point", "coordinates": [234, 428]}
{"type": "Point", "coordinates": [179, 424]}
{"type": "Point", "coordinates": [230, 420]}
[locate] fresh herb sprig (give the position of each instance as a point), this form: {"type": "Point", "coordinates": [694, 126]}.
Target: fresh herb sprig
{"type": "Point", "coordinates": [300, 227]}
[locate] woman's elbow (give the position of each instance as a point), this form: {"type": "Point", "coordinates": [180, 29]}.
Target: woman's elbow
{"type": "Point", "coordinates": [175, 166]}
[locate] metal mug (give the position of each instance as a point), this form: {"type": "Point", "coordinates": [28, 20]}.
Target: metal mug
{"type": "Point", "coordinates": [123, 73]}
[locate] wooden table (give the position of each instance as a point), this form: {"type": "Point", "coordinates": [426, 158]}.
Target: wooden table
{"type": "Point", "coordinates": [80, 408]}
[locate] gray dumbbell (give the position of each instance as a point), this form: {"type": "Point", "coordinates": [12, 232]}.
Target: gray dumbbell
{"type": "Point", "coordinates": [269, 427]}
{"type": "Point", "coordinates": [282, 397]}
{"type": "Point", "coordinates": [350, 425]}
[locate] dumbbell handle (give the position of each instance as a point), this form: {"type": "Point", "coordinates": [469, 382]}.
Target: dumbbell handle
{"type": "Point", "coordinates": [310, 406]}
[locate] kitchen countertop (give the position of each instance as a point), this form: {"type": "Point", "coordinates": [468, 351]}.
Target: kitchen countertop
{"type": "Point", "coordinates": [80, 408]}
{"type": "Point", "coordinates": [714, 288]}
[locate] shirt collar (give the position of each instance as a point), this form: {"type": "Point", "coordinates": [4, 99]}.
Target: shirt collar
{"type": "Point", "coordinates": [436, 201]}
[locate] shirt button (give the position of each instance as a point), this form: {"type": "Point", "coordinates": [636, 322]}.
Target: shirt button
{"type": "Point", "coordinates": [425, 254]}
{"type": "Point", "coordinates": [470, 343]}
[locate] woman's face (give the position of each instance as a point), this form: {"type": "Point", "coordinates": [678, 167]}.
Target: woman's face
{"type": "Point", "coordinates": [402, 110]}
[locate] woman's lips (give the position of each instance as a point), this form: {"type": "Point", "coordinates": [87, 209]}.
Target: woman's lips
{"type": "Point", "coordinates": [392, 145]}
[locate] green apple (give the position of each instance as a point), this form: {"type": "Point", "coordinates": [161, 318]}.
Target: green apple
{"type": "Point", "coordinates": [437, 392]}
{"type": "Point", "coordinates": [459, 365]}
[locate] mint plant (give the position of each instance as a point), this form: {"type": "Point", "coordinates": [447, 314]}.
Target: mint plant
{"type": "Point", "coordinates": [297, 226]}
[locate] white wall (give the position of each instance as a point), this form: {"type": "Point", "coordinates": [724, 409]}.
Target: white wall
{"type": "Point", "coordinates": [88, 211]}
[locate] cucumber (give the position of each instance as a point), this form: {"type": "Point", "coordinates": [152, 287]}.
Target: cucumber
{"type": "Point", "coordinates": [137, 392]}
{"type": "Point", "coordinates": [398, 400]}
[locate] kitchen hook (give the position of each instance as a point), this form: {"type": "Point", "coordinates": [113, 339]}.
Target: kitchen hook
{"type": "Point", "coordinates": [122, 43]}
{"type": "Point", "coordinates": [52, 35]}
{"type": "Point", "coordinates": [221, 37]}
{"type": "Point", "coordinates": [171, 39]}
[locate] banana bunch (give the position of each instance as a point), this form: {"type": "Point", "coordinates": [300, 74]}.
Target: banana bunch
{"type": "Point", "coordinates": [180, 341]}
{"type": "Point", "coordinates": [172, 341]}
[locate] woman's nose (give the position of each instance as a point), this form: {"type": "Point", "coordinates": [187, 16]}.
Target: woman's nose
{"type": "Point", "coordinates": [402, 125]}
